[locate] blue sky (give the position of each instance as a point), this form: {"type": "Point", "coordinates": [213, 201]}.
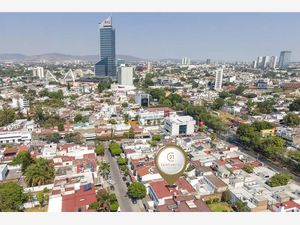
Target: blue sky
{"type": "Point", "coordinates": [220, 36]}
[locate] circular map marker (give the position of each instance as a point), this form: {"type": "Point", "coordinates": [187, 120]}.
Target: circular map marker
{"type": "Point", "coordinates": [170, 161]}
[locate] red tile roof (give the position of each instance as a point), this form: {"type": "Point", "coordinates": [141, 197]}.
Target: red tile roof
{"type": "Point", "coordinates": [80, 199]}
{"type": "Point", "coordinates": [162, 189]}
{"type": "Point", "coordinates": [288, 205]}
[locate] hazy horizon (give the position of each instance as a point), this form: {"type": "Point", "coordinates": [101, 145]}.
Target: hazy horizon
{"type": "Point", "coordinates": [219, 36]}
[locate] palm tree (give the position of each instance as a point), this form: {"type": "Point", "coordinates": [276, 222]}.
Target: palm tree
{"type": "Point", "coordinates": [39, 173]}
{"type": "Point", "coordinates": [105, 168]}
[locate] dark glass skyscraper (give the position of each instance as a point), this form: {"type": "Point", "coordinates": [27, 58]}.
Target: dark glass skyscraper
{"type": "Point", "coordinates": [106, 67]}
{"type": "Point", "coordinates": [284, 59]}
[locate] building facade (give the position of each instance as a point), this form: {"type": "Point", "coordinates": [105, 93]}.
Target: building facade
{"type": "Point", "coordinates": [176, 125]}
{"type": "Point", "coordinates": [219, 79]}
{"type": "Point", "coordinates": [106, 67]}
{"type": "Point", "coordinates": [125, 75]}
{"type": "Point", "coordinates": [284, 59]}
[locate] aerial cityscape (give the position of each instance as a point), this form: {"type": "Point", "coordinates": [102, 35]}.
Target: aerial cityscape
{"type": "Point", "coordinates": [80, 131]}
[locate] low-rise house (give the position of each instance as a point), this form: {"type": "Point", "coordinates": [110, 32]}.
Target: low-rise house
{"type": "Point", "coordinates": [183, 204]}
{"type": "Point", "coordinates": [160, 191]}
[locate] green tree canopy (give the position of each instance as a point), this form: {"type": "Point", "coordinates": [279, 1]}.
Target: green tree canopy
{"type": "Point", "coordinates": [218, 103]}
{"type": "Point", "coordinates": [106, 202]}
{"type": "Point", "coordinates": [39, 173]}
{"type": "Point", "coordinates": [291, 119]}
{"type": "Point", "coordinates": [11, 197]}
{"type": "Point", "coordinates": [104, 85]}
{"type": "Point", "coordinates": [248, 168]}
{"type": "Point", "coordinates": [7, 116]}
{"type": "Point", "coordinates": [295, 105]}
{"type": "Point", "coordinates": [100, 149]}
{"type": "Point", "coordinates": [137, 190]}
{"type": "Point", "coordinates": [24, 159]}
{"type": "Point", "coordinates": [115, 148]}
{"type": "Point", "coordinates": [53, 137]}
{"type": "Point", "coordinates": [279, 179]}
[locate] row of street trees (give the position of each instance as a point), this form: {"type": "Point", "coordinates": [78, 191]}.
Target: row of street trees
{"type": "Point", "coordinates": [272, 147]}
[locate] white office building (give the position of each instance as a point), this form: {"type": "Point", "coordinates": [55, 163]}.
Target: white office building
{"type": "Point", "coordinates": [151, 118]}
{"type": "Point", "coordinates": [18, 132]}
{"type": "Point", "coordinates": [125, 75]}
{"type": "Point", "coordinates": [142, 99]}
{"type": "Point", "coordinates": [176, 125]}
{"type": "Point", "coordinates": [219, 79]}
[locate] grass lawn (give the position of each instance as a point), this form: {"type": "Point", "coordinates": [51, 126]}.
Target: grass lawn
{"type": "Point", "coordinates": [37, 209]}
{"type": "Point", "coordinates": [220, 207]}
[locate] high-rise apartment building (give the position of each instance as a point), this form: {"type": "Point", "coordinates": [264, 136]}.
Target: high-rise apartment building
{"type": "Point", "coordinates": [185, 61]}
{"type": "Point", "coordinates": [273, 62]}
{"type": "Point", "coordinates": [284, 59]}
{"type": "Point", "coordinates": [38, 72]}
{"type": "Point", "coordinates": [125, 75]}
{"type": "Point", "coordinates": [106, 67]}
{"type": "Point", "coordinates": [219, 79]}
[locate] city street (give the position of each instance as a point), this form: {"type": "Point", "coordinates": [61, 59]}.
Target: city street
{"type": "Point", "coordinates": [120, 190]}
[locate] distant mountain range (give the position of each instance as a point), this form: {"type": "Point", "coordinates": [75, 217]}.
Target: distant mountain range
{"type": "Point", "coordinates": [57, 57]}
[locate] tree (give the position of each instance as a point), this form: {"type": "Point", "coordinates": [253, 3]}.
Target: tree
{"type": "Point", "coordinates": [106, 202]}
{"type": "Point", "coordinates": [104, 85]}
{"type": "Point", "coordinates": [239, 91]}
{"type": "Point", "coordinates": [112, 121]}
{"type": "Point", "coordinates": [262, 125]}
{"type": "Point", "coordinates": [78, 118]}
{"type": "Point", "coordinates": [11, 197]}
{"type": "Point", "coordinates": [194, 84]}
{"type": "Point", "coordinates": [137, 190]}
{"type": "Point", "coordinates": [250, 95]}
{"type": "Point", "coordinates": [213, 136]}
{"type": "Point", "coordinates": [279, 179]}
{"type": "Point", "coordinates": [248, 168]}
{"type": "Point", "coordinates": [226, 196]}
{"type": "Point", "coordinates": [148, 81]}
{"type": "Point", "coordinates": [61, 127]}
{"type": "Point", "coordinates": [224, 94]}
{"type": "Point", "coordinates": [54, 137]}
{"type": "Point", "coordinates": [24, 159]}
{"type": "Point", "coordinates": [122, 161]}
{"type": "Point", "coordinates": [291, 119]}
{"type": "Point", "coordinates": [131, 133]}
{"type": "Point", "coordinates": [7, 116]}
{"type": "Point", "coordinates": [295, 105]}
{"type": "Point", "coordinates": [104, 168]}
{"type": "Point", "coordinates": [295, 155]}
{"type": "Point", "coordinates": [156, 137]}
{"type": "Point", "coordinates": [241, 206]}
{"type": "Point", "coordinates": [39, 173]}
{"type": "Point", "coordinates": [124, 104]}
{"type": "Point", "coordinates": [76, 137]}
{"type": "Point", "coordinates": [41, 198]}
{"type": "Point", "coordinates": [167, 103]}
{"type": "Point", "coordinates": [100, 149]}
{"type": "Point", "coordinates": [115, 149]}
{"type": "Point", "coordinates": [218, 103]}
{"type": "Point", "coordinates": [68, 86]}
{"type": "Point", "coordinates": [126, 118]}
{"type": "Point", "coordinates": [266, 107]}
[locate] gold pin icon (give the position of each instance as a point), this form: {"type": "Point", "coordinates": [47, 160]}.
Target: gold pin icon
{"type": "Point", "coordinates": [171, 162]}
